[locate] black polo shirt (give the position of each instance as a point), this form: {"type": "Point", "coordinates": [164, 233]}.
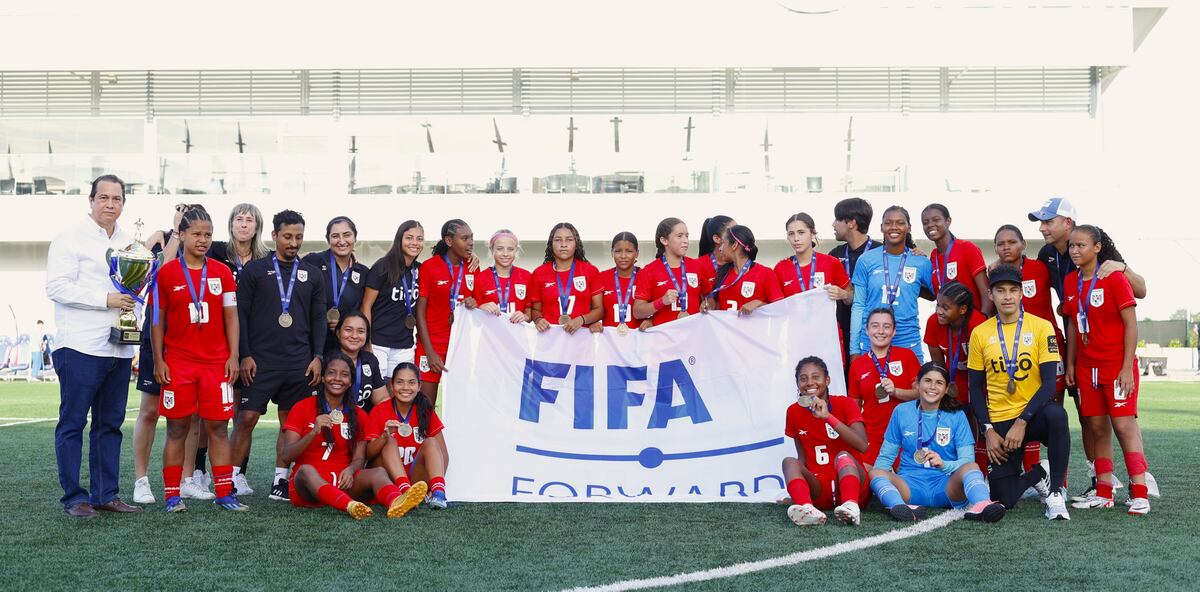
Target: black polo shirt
{"type": "Point", "coordinates": [259, 307]}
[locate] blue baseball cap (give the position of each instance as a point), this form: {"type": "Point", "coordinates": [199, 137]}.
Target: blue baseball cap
{"type": "Point", "coordinates": [1053, 208]}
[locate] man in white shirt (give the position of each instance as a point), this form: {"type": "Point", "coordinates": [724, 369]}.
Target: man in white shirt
{"type": "Point", "coordinates": [93, 374]}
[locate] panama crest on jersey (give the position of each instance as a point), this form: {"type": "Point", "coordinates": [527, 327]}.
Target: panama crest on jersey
{"type": "Point", "coordinates": [829, 431]}
{"type": "Point", "coordinates": [520, 290]}
{"type": "Point", "coordinates": [581, 284]}
{"type": "Point", "coordinates": [354, 276]}
{"type": "Point", "coordinates": [302, 275]}
{"type": "Point", "coordinates": [418, 435]}
{"type": "Point", "coordinates": [470, 282]}
{"type": "Point", "coordinates": [214, 286]}
{"type": "Point", "coordinates": [910, 275]}
{"type": "Point", "coordinates": [1097, 297]}
{"type": "Point", "coordinates": [819, 279]}
{"type": "Point", "coordinates": [1029, 288]}
{"type": "Point", "coordinates": [747, 289]}
{"type": "Point", "coordinates": [424, 364]}
{"type": "Point", "coordinates": [345, 430]}
{"type": "Point", "coordinates": [942, 436]}
{"type": "Point", "coordinates": [896, 368]}
{"type": "Point", "coordinates": [693, 280]}
{"type": "Point", "coordinates": [952, 270]}
{"type": "Point", "coordinates": [168, 399]}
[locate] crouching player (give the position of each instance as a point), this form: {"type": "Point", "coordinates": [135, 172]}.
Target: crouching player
{"type": "Point", "coordinates": [323, 436]}
{"type": "Point", "coordinates": [933, 439]}
{"type": "Point", "coordinates": [830, 438]}
{"type": "Point", "coordinates": [398, 431]}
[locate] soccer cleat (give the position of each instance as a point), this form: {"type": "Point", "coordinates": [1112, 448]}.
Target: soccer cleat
{"type": "Point", "coordinates": [436, 500]}
{"type": "Point", "coordinates": [806, 515]}
{"type": "Point", "coordinates": [241, 486]}
{"type": "Point", "coordinates": [231, 503]}
{"type": "Point", "coordinates": [1056, 507]}
{"type": "Point", "coordinates": [986, 511]}
{"type": "Point", "coordinates": [202, 479]}
{"type": "Point", "coordinates": [848, 513]}
{"type": "Point", "coordinates": [1086, 495]}
{"type": "Point", "coordinates": [906, 513]}
{"type": "Point", "coordinates": [1043, 485]}
{"type": "Point", "coordinates": [359, 510]}
{"type": "Point", "coordinates": [279, 491]}
{"type": "Point", "coordinates": [1152, 485]}
{"type": "Point", "coordinates": [1139, 506]}
{"type": "Point", "coordinates": [1093, 501]}
{"type": "Point", "coordinates": [141, 491]}
{"type": "Point", "coordinates": [1116, 482]}
{"type": "Point", "coordinates": [405, 503]}
{"type": "Point", "coordinates": [175, 504]}
{"type": "Point", "coordinates": [190, 490]}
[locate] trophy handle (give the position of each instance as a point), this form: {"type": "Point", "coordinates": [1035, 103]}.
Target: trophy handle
{"type": "Point", "coordinates": [108, 254]}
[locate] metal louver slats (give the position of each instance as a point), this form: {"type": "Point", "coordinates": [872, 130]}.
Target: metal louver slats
{"type": "Point", "coordinates": [224, 92]}
{"type": "Point", "coordinates": [45, 94]}
{"type": "Point", "coordinates": [1033, 89]}
{"type": "Point", "coordinates": [366, 92]}
{"type": "Point", "coordinates": [620, 90]}
{"type": "Point", "coordinates": [121, 94]}
{"type": "Point", "coordinates": [837, 89]}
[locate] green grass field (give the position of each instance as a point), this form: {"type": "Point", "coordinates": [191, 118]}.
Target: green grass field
{"type": "Point", "coordinates": [548, 546]}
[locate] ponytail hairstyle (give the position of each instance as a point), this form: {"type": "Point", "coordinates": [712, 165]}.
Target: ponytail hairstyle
{"type": "Point", "coordinates": [661, 232]}
{"type": "Point", "coordinates": [424, 407]}
{"type": "Point", "coordinates": [578, 243]}
{"type": "Point", "coordinates": [808, 221]}
{"type": "Point", "coordinates": [816, 361]}
{"type": "Point", "coordinates": [338, 220]}
{"type": "Point", "coordinates": [908, 238]}
{"type": "Point", "coordinates": [394, 266]}
{"type": "Point", "coordinates": [349, 400]}
{"type": "Point", "coordinates": [1108, 249]}
{"type": "Point", "coordinates": [959, 295]}
{"type": "Point", "coordinates": [448, 229]}
{"type": "Point", "coordinates": [258, 250]}
{"type": "Point", "coordinates": [712, 227]}
{"type": "Point", "coordinates": [337, 329]}
{"type": "Point", "coordinates": [627, 236]}
{"type": "Point", "coordinates": [947, 403]}
{"type": "Point", "coordinates": [944, 211]}
{"type": "Point", "coordinates": [1010, 228]}
{"type": "Point", "coordinates": [744, 238]}
{"type": "Point", "coordinates": [195, 213]}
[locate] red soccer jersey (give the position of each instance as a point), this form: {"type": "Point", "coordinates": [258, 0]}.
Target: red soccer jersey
{"type": "Point", "coordinates": [410, 444]}
{"type": "Point", "coordinates": [517, 285]}
{"type": "Point", "coordinates": [821, 443]}
{"type": "Point", "coordinates": [901, 365]}
{"type": "Point", "coordinates": [759, 283]}
{"type": "Point", "coordinates": [653, 282]}
{"type": "Point", "coordinates": [942, 338]}
{"type": "Point", "coordinates": [204, 342]}
{"type": "Point", "coordinates": [829, 270]}
{"type": "Point", "coordinates": [964, 262]}
{"type": "Point", "coordinates": [1105, 347]}
{"type": "Point", "coordinates": [1035, 290]}
{"type": "Point", "coordinates": [435, 283]}
{"type": "Point", "coordinates": [301, 419]}
{"type": "Point", "coordinates": [608, 280]}
{"type": "Point", "coordinates": [583, 286]}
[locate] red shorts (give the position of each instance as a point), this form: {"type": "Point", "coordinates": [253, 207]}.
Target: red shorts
{"type": "Point", "coordinates": [1060, 376]}
{"type": "Point", "coordinates": [440, 345]}
{"type": "Point", "coordinates": [329, 472]}
{"type": "Point", "coordinates": [196, 388]}
{"type": "Point", "coordinates": [827, 480]}
{"type": "Point", "coordinates": [1097, 392]}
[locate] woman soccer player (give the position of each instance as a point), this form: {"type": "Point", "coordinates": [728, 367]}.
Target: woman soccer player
{"type": "Point", "coordinates": [568, 290]}
{"type": "Point", "coordinates": [445, 282]}
{"type": "Point", "coordinates": [1101, 361]}
{"type": "Point", "coordinates": [673, 285]}
{"type": "Point", "coordinates": [753, 285]}
{"type": "Point", "coordinates": [712, 234]}
{"type": "Point", "coordinates": [830, 439]}
{"type": "Point", "coordinates": [618, 284]}
{"type": "Point", "coordinates": [948, 332]}
{"type": "Point", "coordinates": [894, 277]}
{"type": "Point", "coordinates": [954, 260]}
{"type": "Point", "coordinates": [323, 436]}
{"type": "Point", "coordinates": [398, 430]}
{"type": "Point", "coordinates": [933, 440]}
{"type": "Point", "coordinates": [881, 379]}
{"type": "Point", "coordinates": [195, 342]}
{"type": "Point", "coordinates": [344, 276]}
{"type": "Point", "coordinates": [807, 269]}
{"type": "Point", "coordinates": [504, 288]}
{"type": "Point", "coordinates": [353, 332]}
{"type": "Point", "coordinates": [390, 298]}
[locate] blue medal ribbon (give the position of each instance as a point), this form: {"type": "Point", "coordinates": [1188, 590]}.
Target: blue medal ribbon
{"type": "Point", "coordinates": [955, 348]}
{"type": "Point", "coordinates": [285, 298]}
{"type": "Point", "coordinates": [737, 279]}
{"type": "Point", "coordinates": [939, 268]}
{"type": "Point", "coordinates": [891, 290]}
{"type": "Point", "coordinates": [501, 289]}
{"type": "Point", "coordinates": [338, 287]}
{"type": "Point", "coordinates": [197, 297]}
{"type": "Point", "coordinates": [457, 280]}
{"type": "Point", "coordinates": [812, 273]}
{"type": "Point", "coordinates": [623, 297]}
{"type": "Point", "coordinates": [1010, 364]}
{"type": "Point", "coordinates": [846, 260]}
{"type": "Point", "coordinates": [406, 285]}
{"type": "Point", "coordinates": [921, 442]}
{"type": "Point", "coordinates": [681, 283]}
{"type": "Point", "coordinates": [1085, 300]}
{"type": "Point", "coordinates": [881, 368]}
{"type": "Point", "coordinates": [564, 294]}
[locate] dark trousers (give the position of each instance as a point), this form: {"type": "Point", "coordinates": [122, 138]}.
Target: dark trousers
{"type": "Point", "coordinates": [1049, 426]}
{"type": "Point", "coordinates": [99, 385]}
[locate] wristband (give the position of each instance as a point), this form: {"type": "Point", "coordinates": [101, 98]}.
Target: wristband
{"type": "Point", "coordinates": [659, 304]}
{"type": "Point", "coordinates": [833, 422]}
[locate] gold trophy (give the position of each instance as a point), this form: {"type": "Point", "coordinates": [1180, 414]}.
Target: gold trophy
{"type": "Point", "coordinates": [132, 271]}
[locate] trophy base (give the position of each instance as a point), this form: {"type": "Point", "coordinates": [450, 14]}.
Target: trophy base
{"type": "Point", "coordinates": [117, 335]}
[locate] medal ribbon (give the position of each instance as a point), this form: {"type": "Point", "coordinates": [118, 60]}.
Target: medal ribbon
{"type": "Point", "coordinates": [939, 267]}
{"type": "Point", "coordinates": [1010, 365]}
{"type": "Point", "coordinates": [737, 279]}
{"type": "Point", "coordinates": [893, 291]}
{"type": "Point", "coordinates": [358, 376]}
{"type": "Point", "coordinates": [501, 289]}
{"type": "Point", "coordinates": [406, 283]}
{"type": "Point", "coordinates": [403, 418]}
{"type": "Point", "coordinates": [681, 285]}
{"type": "Point", "coordinates": [197, 297]}
{"type": "Point", "coordinates": [564, 294]}
{"type": "Point", "coordinates": [338, 287]}
{"type": "Point", "coordinates": [846, 261]}
{"type": "Point", "coordinates": [623, 297]}
{"type": "Point", "coordinates": [285, 298]}
{"type": "Point", "coordinates": [955, 347]}
{"type": "Point", "coordinates": [881, 368]}
{"type": "Point", "coordinates": [1085, 300]}
{"type": "Point", "coordinates": [457, 280]}
{"type": "Point", "coordinates": [812, 273]}
{"type": "Point", "coordinates": [921, 442]}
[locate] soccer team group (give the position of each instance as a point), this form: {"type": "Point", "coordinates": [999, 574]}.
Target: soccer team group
{"type": "Point", "coordinates": [352, 355]}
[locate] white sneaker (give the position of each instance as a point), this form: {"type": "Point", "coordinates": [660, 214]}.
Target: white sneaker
{"type": "Point", "coordinates": [1093, 501]}
{"type": "Point", "coordinates": [806, 515]}
{"type": "Point", "coordinates": [1056, 507]}
{"type": "Point", "coordinates": [240, 486]}
{"type": "Point", "coordinates": [1043, 486]}
{"type": "Point", "coordinates": [1152, 485]}
{"type": "Point", "coordinates": [1091, 492]}
{"type": "Point", "coordinates": [190, 490]}
{"type": "Point", "coordinates": [141, 491]}
{"type": "Point", "coordinates": [848, 513]}
{"type": "Point", "coordinates": [1117, 482]}
{"type": "Point", "coordinates": [202, 479]}
{"type": "Point", "coordinates": [1139, 506]}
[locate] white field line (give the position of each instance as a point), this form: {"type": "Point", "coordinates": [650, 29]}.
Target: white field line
{"type": "Point", "coordinates": [26, 421]}
{"type": "Point", "coordinates": [739, 569]}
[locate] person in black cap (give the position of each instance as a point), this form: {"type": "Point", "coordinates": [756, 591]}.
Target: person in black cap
{"type": "Point", "coordinates": [1012, 364]}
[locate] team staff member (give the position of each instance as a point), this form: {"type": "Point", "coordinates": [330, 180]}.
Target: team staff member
{"type": "Point", "coordinates": [955, 260]}
{"type": "Point", "coordinates": [618, 284]}
{"type": "Point", "coordinates": [895, 277]}
{"type": "Point", "coordinates": [741, 284]}
{"type": "Point", "coordinates": [932, 440]}
{"type": "Point", "coordinates": [353, 333]}
{"type": "Point", "coordinates": [390, 298]}
{"type": "Point", "coordinates": [195, 341]}
{"type": "Point", "coordinates": [567, 288]}
{"type": "Point", "coordinates": [830, 437]}
{"type": "Point", "coordinates": [93, 374]}
{"type": "Point", "coordinates": [1011, 368]}
{"type": "Point", "coordinates": [406, 422]}
{"type": "Point", "coordinates": [281, 314]}
{"type": "Point", "coordinates": [673, 285]}
{"type": "Point", "coordinates": [445, 282]}
{"type": "Point", "coordinates": [344, 277]}
{"type": "Point", "coordinates": [851, 221]}
{"type": "Point", "coordinates": [324, 437]}
{"type": "Point", "coordinates": [881, 379]}
{"type": "Point", "coordinates": [504, 288]}
{"type": "Point", "coordinates": [1102, 363]}
{"type": "Point", "coordinates": [712, 235]}
{"type": "Point", "coordinates": [807, 269]}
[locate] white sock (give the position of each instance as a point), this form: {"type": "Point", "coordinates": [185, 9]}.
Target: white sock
{"type": "Point", "coordinates": [281, 473]}
{"type": "Point", "coordinates": [237, 471]}
{"type": "Point", "coordinates": [1091, 469]}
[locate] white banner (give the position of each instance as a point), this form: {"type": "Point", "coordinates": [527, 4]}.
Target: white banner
{"type": "Point", "coordinates": [691, 411]}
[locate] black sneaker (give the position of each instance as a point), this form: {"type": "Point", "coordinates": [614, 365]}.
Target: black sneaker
{"type": "Point", "coordinates": [279, 491]}
{"type": "Point", "coordinates": [906, 513]}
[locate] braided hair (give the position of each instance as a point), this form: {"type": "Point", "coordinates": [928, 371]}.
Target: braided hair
{"type": "Point", "coordinates": [451, 227]}
{"type": "Point", "coordinates": [195, 213]}
{"type": "Point", "coordinates": [814, 360]}
{"type": "Point", "coordinates": [424, 405]}
{"type": "Point", "coordinates": [958, 294]}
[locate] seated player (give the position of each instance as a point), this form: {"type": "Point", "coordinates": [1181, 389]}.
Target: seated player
{"type": "Point", "coordinates": [933, 439]}
{"type": "Point", "coordinates": [397, 431]}
{"type": "Point", "coordinates": [323, 437]}
{"type": "Point", "coordinates": [830, 437]}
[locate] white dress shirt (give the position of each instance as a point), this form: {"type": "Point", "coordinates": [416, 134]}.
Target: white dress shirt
{"type": "Point", "coordinates": [78, 283]}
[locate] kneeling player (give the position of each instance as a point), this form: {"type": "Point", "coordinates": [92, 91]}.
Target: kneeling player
{"type": "Point", "coordinates": [934, 442]}
{"type": "Point", "coordinates": [830, 437]}
{"type": "Point", "coordinates": [395, 437]}
{"type": "Point", "coordinates": [323, 435]}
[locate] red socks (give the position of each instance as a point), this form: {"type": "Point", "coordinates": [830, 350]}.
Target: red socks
{"type": "Point", "coordinates": [333, 497]}
{"type": "Point", "coordinates": [437, 483]}
{"type": "Point", "coordinates": [388, 494]}
{"type": "Point", "coordinates": [1033, 454]}
{"type": "Point", "coordinates": [798, 489]}
{"type": "Point", "coordinates": [1137, 490]}
{"type": "Point", "coordinates": [223, 480]}
{"type": "Point", "coordinates": [171, 477]}
{"type": "Point", "coordinates": [848, 486]}
{"type": "Point", "coordinates": [402, 483]}
{"type": "Point", "coordinates": [1105, 489]}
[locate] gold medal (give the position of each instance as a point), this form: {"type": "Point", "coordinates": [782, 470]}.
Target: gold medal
{"type": "Point", "coordinates": [920, 455]}
{"type": "Point", "coordinates": [404, 430]}
{"type": "Point", "coordinates": [623, 329]}
{"type": "Point", "coordinates": [285, 320]}
{"type": "Point", "coordinates": [880, 392]}
{"type": "Point", "coordinates": [683, 314]}
{"type": "Point", "coordinates": [805, 401]}
{"type": "Point", "coordinates": [1012, 386]}
{"type": "Point", "coordinates": [564, 319]}
{"type": "Point", "coordinates": [410, 322]}
{"type": "Point", "coordinates": [1083, 337]}
{"type": "Point", "coordinates": [334, 315]}
{"type": "Point", "coordinates": [336, 416]}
